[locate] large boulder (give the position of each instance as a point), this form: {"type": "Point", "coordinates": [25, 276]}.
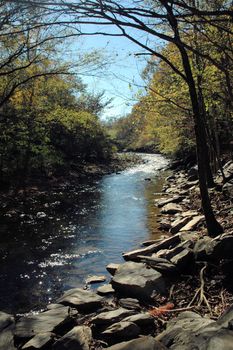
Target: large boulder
{"type": "Point", "coordinates": [137, 280]}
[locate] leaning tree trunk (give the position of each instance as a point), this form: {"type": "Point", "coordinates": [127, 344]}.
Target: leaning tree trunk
{"type": "Point", "coordinates": [213, 227]}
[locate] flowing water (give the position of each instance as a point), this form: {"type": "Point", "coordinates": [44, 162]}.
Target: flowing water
{"type": "Point", "coordinates": [107, 217]}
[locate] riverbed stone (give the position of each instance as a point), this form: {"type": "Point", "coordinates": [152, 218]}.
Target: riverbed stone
{"type": "Point", "coordinates": [7, 338]}
{"type": "Point", "coordinates": [167, 243]}
{"type": "Point", "coordinates": [79, 338]}
{"type": "Point", "coordinates": [110, 317]}
{"type": "Point", "coordinates": [142, 319]}
{"type": "Point", "coordinates": [175, 199]}
{"type": "Point", "coordinates": [105, 290]}
{"type": "Point", "coordinates": [178, 224]}
{"type": "Point", "coordinates": [40, 341]}
{"type": "Point", "coordinates": [137, 280]}
{"type": "Point", "coordinates": [162, 265]}
{"type": "Point", "coordinates": [142, 343]}
{"type": "Point", "coordinates": [129, 303]}
{"type": "Point", "coordinates": [192, 224]}
{"type": "Point", "coordinates": [165, 224]}
{"type": "Point", "coordinates": [5, 320]}
{"type": "Point", "coordinates": [82, 300]}
{"type": "Point", "coordinates": [121, 331]}
{"type": "Point", "coordinates": [171, 208]}
{"type": "Point", "coordinates": [95, 279]}
{"type": "Point", "coordinates": [47, 321]}
{"type": "Point", "coordinates": [111, 268]}
{"type": "Point", "coordinates": [183, 260]}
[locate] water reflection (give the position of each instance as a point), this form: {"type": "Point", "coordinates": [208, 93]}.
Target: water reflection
{"type": "Point", "coordinates": [89, 228]}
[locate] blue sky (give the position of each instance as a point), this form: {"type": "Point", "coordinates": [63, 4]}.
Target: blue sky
{"type": "Point", "coordinates": [118, 80]}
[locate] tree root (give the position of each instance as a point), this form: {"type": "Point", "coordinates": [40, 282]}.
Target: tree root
{"type": "Point", "coordinates": [199, 296]}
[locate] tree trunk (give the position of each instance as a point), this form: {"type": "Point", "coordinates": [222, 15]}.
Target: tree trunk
{"type": "Point", "coordinates": [213, 227]}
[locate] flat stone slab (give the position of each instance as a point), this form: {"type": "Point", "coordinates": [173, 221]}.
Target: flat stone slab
{"type": "Point", "coordinates": [105, 290]}
{"type": "Point", "coordinates": [142, 343]}
{"type": "Point", "coordinates": [175, 199]}
{"type": "Point", "coordinates": [83, 300]}
{"type": "Point", "coordinates": [79, 338]}
{"type": "Point", "coordinates": [171, 208]}
{"type": "Point", "coordinates": [110, 317]}
{"type": "Point", "coordinates": [192, 224]}
{"type": "Point", "coordinates": [178, 224]}
{"type": "Point", "coordinates": [142, 319]}
{"type": "Point", "coordinates": [39, 341]}
{"type": "Point", "coordinates": [111, 268]}
{"type": "Point", "coordinates": [167, 243]}
{"type": "Point", "coordinates": [121, 331]}
{"type": "Point", "coordinates": [5, 320]}
{"type": "Point", "coordinates": [44, 322]}
{"type": "Point", "coordinates": [129, 303]}
{"type": "Point", "coordinates": [95, 279]}
{"type": "Point", "coordinates": [137, 280]}
{"type": "Point", "coordinates": [7, 338]}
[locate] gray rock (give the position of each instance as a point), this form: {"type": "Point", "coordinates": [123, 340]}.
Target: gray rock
{"type": "Point", "coordinates": [39, 341]}
{"type": "Point", "coordinates": [175, 199]}
{"type": "Point", "coordinates": [190, 213]}
{"type": "Point", "coordinates": [204, 248]}
{"type": "Point", "coordinates": [178, 224]}
{"type": "Point", "coordinates": [154, 248]}
{"type": "Point", "coordinates": [150, 242]}
{"type": "Point", "coordinates": [142, 320]}
{"type": "Point", "coordinates": [5, 320]}
{"type": "Point", "coordinates": [83, 300]}
{"type": "Point", "coordinates": [171, 208]}
{"type": "Point", "coordinates": [44, 322]}
{"type": "Point", "coordinates": [165, 224]}
{"type": "Point", "coordinates": [227, 189]}
{"type": "Point", "coordinates": [121, 331]}
{"type": "Point", "coordinates": [192, 224]}
{"type": "Point", "coordinates": [136, 280]}
{"type": "Point", "coordinates": [7, 338]}
{"type": "Point", "coordinates": [95, 279]}
{"type": "Point", "coordinates": [220, 247]}
{"type": "Point", "coordinates": [111, 268]}
{"type": "Point", "coordinates": [162, 265]}
{"type": "Point", "coordinates": [183, 260]}
{"type": "Point", "coordinates": [129, 303]}
{"type": "Point", "coordinates": [110, 317]}
{"type": "Point", "coordinates": [105, 290]}
{"type": "Point", "coordinates": [143, 343]}
{"type": "Point", "coordinates": [79, 338]}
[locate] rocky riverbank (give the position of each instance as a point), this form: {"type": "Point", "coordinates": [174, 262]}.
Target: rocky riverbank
{"type": "Point", "coordinates": [173, 293]}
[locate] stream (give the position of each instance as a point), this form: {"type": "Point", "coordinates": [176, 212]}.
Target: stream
{"type": "Point", "coordinates": [102, 218]}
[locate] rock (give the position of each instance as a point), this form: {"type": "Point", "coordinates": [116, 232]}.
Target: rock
{"type": "Point", "coordinates": [7, 338]}
{"type": "Point", "coordinates": [154, 248]}
{"type": "Point", "coordinates": [204, 248]}
{"type": "Point", "coordinates": [83, 300]}
{"type": "Point", "coordinates": [193, 172]}
{"type": "Point", "coordinates": [111, 268]}
{"type": "Point", "coordinates": [143, 343]}
{"type": "Point", "coordinates": [220, 247]}
{"type": "Point", "coordinates": [180, 330]}
{"type": "Point", "coordinates": [121, 331]}
{"type": "Point", "coordinates": [47, 321]}
{"type": "Point", "coordinates": [178, 224]}
{"type": "Point", "coordinates": [40, 341]}
{"type": "Point", "coordinates": [110, 317]}
{"type": "Point", "coordinates": [189, 184]}
{"type": "Point", "coordinates": [151, 241]}
{"type": "Point", "coordinates": [175, 199]}
{"type": "Point", "coordinates": [227, 189]}
{"type": "Point", "coordinates": [136, 280]}
{"type": "Point", "coordinates": [165, 225]}
{"type": "Point", "coordinates": [79, 338]}
{"type": "Point", "coordinates": [228, 169]}
{"type": "Point", "coordinates": [192, 224]}
{"type": "Point", "coordinates": [183, 260]}
{"type": "Point", "coordinates": [5, 320]}
{"type": "Point", "coordinates": [189, 213]}
{"type": "Point", "coordinates": [171, 208]}
{"type": "Point", "coordinates": [129, 303]}
{"type": "Point", "coordinates": [40, 215]}
{"type": "Point", "coordinates": [95, 279]}
{"type": "Point", "coordinates": [142, 320]}
{"type": "Point", "coordinates": [105, 290]}
{"type": "Point", "coordinates": [162, 265]}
